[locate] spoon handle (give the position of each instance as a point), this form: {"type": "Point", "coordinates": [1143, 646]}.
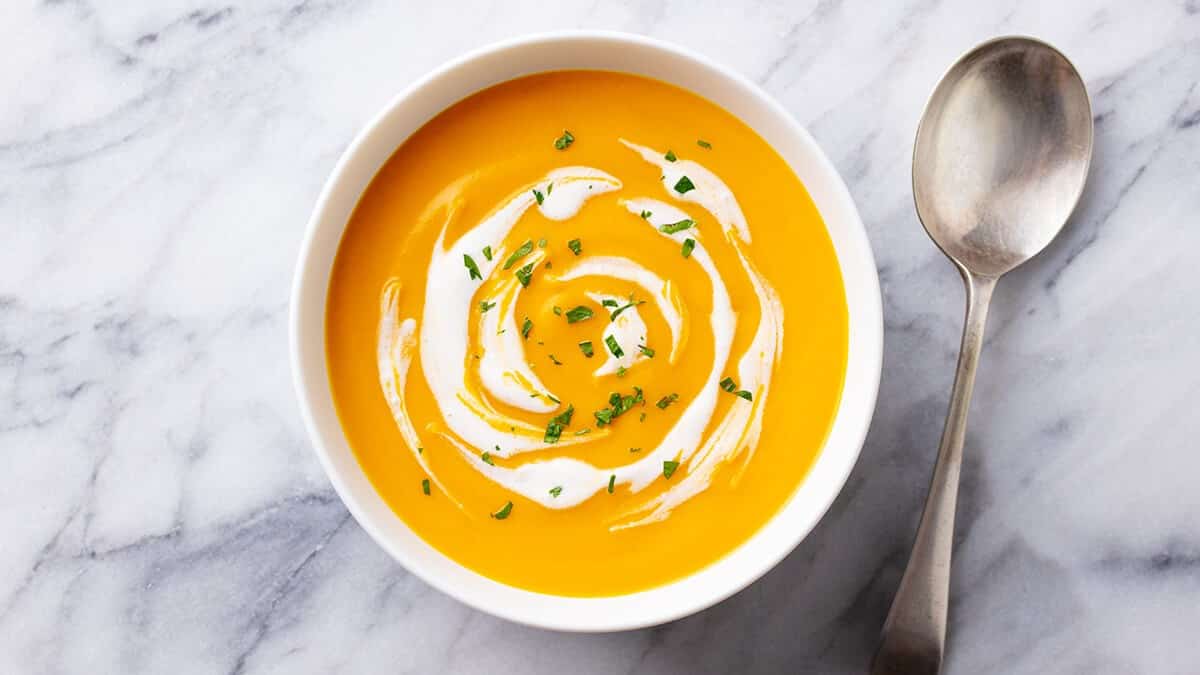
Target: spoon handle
{"type": "Point", "coordinates": [914, 635]}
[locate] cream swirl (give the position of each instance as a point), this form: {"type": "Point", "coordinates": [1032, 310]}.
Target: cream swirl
{"type": "Point", "coordinates": [472, 422]}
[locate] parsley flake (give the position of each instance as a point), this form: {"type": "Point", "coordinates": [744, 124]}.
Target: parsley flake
{"type": "Point", "coordinates": [586, 348]}
{"type": "Point", "coordinates": [684, 185]}
{"type": "Point", "coordinates": [688, 245]}
{"type": "Point", "coordinates": [526, 327]}
{"type": "Point", "coordinates": [669, 467]}
{"type": "Point", "coordinates": [579, 313]}
{"type": "Point", "coordinates": [555, 428]}
{"type": "Point", "coordinates": [556, 361]}
{"type": "Point", "coordinates": [557, 310]}
{"type": "Point", "coordinates": [613, 347]}
{"type": "Point", "coordinates": [487, 458]}
{"type": "Point", "coordinates": [670, 156]}
{"type": "Point", "coordinates": [646, 215]}
{"type": "Point", "coordinates": [484, 306]}
{"type": "Point", "coordinates": [612, 480]}
{"type": "Point", "coordinates": [537, 194]}
{"type": "Point", "coordinates": [576, 246]}
{"type": "Point", "coordinates": [647, 351]}
{"type": "Point", "coordinates": [556, 491]}
{"type": "Point", "coordinates": [672, 228]}
{"type": "Point", "coordinates": [472, 268]}
{"type": "Point", "coordinates": [425, 486]}
{"type": "Point", "coordinates": [563, 142]}
{"type": "Point", "coordinates": [522, 251]}
{"type": "Point", "coordinates": [504, 511]}
{"type": "Point", "coordinates": [704, 144]}
{"type": "Point", "coordinates": [525, 274]}
{"type": "Point", "coordinates": [487, 253]}
{"type": "Point", "coordinates": [666, 401]}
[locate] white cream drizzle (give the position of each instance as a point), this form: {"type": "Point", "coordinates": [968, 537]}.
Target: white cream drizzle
{"type": "Point", "coordinates": [472, 423]}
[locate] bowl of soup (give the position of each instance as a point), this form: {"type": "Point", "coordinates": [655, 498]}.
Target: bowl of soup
{"type": "Point", "coordinates": [586, 331]}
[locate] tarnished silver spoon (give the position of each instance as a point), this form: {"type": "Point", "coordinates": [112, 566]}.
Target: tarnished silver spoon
{"type": "Point", "coordinates": [1001, 157]}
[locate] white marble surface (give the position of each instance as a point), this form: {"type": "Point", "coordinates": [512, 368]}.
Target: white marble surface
{"type": "Point", "coordinates": [161, 510]}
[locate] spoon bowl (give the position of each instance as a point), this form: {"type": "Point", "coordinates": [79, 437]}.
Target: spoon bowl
{"type": "Point", "coordinates": [999, 163]}
{"type": "Point", "coordinates": [1002, 153]}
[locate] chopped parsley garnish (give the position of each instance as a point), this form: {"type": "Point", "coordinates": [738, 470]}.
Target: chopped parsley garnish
{"type": "Point", "coordinates": [730, 386]}
{"type": "Point", "coordinates": [669, 467]}
{"type": "Point", "coordinates": [537, 194]}
{"type": "Point", "coordinates": [646, 215]}
{"type": "Point", "coordinates": [621, 371]}
{"type": "Point", "coordinates": [635, 449]}
{"type": "Point", "coordinates": [522, 251]}
{"type": "Point", "coordinates": [684, 185]}
{"type": "Point", "coordinates": [586, 348]}
{"type": "Point", "coordinates": [556, 491]}
{"type": "Point", "coordinates": [555, 428]}
{"type": "Point", "coordinates": [617, 406]}
{"type": "Point", "coordinates": [613, 347]}
{"type": "Point", "coordinates": [612, 480]}
{"type": "Point", "coordinates": [579, 313]}
{"type": "Point", "coordinates": [425, 486]}
{"type": "Point", "coordinates": [420, 451]}
{"type": "Point", "coordinates": [553, 398]}
{"type": "Point", "coordinates": [542, 242]}
{"type": "Point", "coordinates": [548, 265]}
{"type": "Point", "coordinates": [617, 312]}
{"type": "Point", "coordinates": [526, 327]}
{"type": "Point", "coordinates": [647, 351]}
{"type": "Point", "coordinates": [666, 401]}
{"type": "Point", "coordinates": [584, 432]}
{"type": "Point", "coordinates": [484, 306]}
{"type": "Point", "coordinates": [704, 144]}
{"type": "Point", "coordinates": [525, 274]}
{"type": "Point", "coordinates": [556, 361]}
{"type": "Point", "coordinates": [549, 188]}
{"type": "Point", "coordinates": [563, 142]}
{"type": "Point", "coordinates": [503, 512]}
{"type": "Point", "coordinates": [670, 156]}
{"type": "Point", "coordinates": [576, 246]}
{"type": "Point", "coordinates": [487, 458]}
{"type": "Point", "coordinates": [487, 253]}
{"type": "Point", "coordinates": [688, 245]}
{"type": "Point", "coordinates": [642, 417]}
{"type": "Point", "coordinates": [609, 303]}
{"type": "Point", "coordinates": [672, 228]}
{"type": "Point", "coordinates": [557, 310]}
{"type": "Point", "coordinates": [472, 268]}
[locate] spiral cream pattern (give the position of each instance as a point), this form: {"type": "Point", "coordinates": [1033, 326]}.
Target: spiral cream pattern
{"type": "Point", "coordinates": [472, 423]}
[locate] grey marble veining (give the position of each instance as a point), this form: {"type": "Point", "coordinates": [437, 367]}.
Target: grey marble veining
{"type": "Point", "coordinates": [161, 510]}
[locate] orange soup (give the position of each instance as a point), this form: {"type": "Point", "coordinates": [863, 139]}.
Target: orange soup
{"type": "Point", "coordinates": [586, 332]}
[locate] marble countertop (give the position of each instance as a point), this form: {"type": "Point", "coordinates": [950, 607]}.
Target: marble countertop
{"type": "Point", "coordinates": [162, 511]}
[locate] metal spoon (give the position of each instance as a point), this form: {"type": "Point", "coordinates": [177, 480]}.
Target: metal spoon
{"type": "Point", "coordinates": [1000, 160]}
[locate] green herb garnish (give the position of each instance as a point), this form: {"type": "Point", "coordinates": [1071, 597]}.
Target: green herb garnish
{"type": "Point", "coordinates": [522, 251]}
{"type": "Point", "coordinates": [617, 312]}
{"type": "Point", "coordinates": [472, 268]}
{"type": "Point", "coordinates": [684, 185]}
{"type": "Point", "coordinates": [621, 370]}
{"type": "Point", "coordinates": [537, 194]}
{"type": "Point", "coordinates": [670, 156]}
{"type": "Point", "coordinates": [646, 215]}
{"type": "Point", "coordinates": [688, 245]}
{"type": "Point", "coordinates": [666, 401]}
{"type": "Point", "coordinates": [563, 142]}
{"type": "Point", "coordinates": [730, 386]}
{"type": "Point", "coordinates": [647, 351]}
{"type": "Point", "coordinates": [579, 313]}
{"type": "Point", "coordinates": [487, 253]}
{"type": "Point", "coordinates": [617, 406]}
{"type": "Point", "coordinates": [525, 274]}
{"type": "Point", "coordinates": [503, 512]}
{"type": "Point", "coordinates": [542, 242]}
{"type": "Point", "coordinates": [612, 480]}
{"type": "Point", "coordinates": [583, 432]}
{"type": "Point", "coordinates": [586, 348]}
{"type": "Point", "coordinates": [635, 449]}
{"type": "Point", "coordinates": [669, 467]}
{"type": "Point", "coordinates": [484, 306]}
{"type": "Point", "coordinates": [526, 327]}
{"type": "Point", "coordinates": [576, 246]}
{"type": "Point", "coordinates": [487, 458]}
{"type": "Point", "coordinates": [425, 486]}
{"type": "Point", "coordinates": [556, 361]}
{"type": "Point", "coordinates": [556, 491]}
{"type": "Point", "coordinates": [672, 228]}
{"type": "Point", "coordinates": [557, 310]}
{"type": "Point", "coordinates": [613, 347]}
{"type": "Point", "coordinates": [555, 428]}
{"type": "Point", "coordinates": [553, 398]}
{"type": "Point", "coordinates": [704, 144]}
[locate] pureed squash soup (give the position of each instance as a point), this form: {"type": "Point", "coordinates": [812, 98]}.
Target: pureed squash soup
{"type": "Point", "coordinates": [586, 332]}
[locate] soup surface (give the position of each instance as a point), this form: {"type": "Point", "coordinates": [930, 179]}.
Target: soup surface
{"type": "Point", "coordinates": [586, 332]}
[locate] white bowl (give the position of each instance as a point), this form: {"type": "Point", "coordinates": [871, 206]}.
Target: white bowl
{"type": "Point", "coordinates": [607, 51]}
